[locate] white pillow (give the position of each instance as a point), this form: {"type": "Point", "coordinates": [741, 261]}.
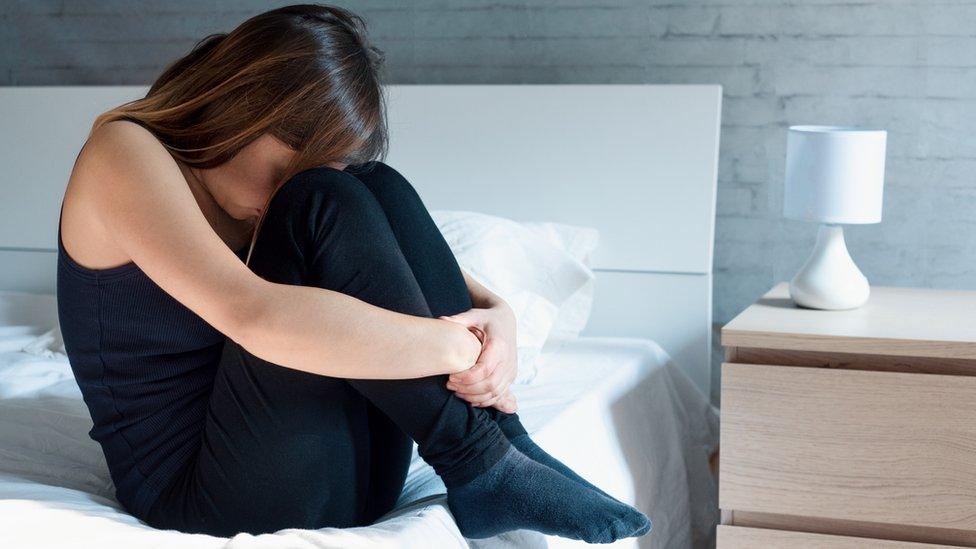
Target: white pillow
{"type": "Point", "coordinates": [527, 265]}
{"type": "Point", "coordinates": [579, 242]}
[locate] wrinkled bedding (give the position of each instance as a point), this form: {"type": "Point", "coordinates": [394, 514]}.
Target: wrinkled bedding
{"type": "Point", "coordinates": [616, 410]}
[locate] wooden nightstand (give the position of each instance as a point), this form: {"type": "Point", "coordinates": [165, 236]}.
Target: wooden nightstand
{"type": "Point", "coordinates": [850, 428]}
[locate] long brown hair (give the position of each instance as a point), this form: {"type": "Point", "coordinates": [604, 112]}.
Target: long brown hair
{"type": "Point", "coordinates": [306, 74]}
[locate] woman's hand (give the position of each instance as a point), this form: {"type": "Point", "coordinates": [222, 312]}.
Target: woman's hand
{"type": "Point", "coordinates": [487, 382]}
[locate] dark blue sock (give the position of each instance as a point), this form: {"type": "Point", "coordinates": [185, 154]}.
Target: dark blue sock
{"type": "Point", "coordinates": [518, 493]}
{"type": "Point", "coordinates": [532, 450]}
{"type": "Point", "coordinates": [511, 426]}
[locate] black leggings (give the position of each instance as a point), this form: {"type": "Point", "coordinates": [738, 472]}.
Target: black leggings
{"type": "Point", "coordinates": [283, 448]}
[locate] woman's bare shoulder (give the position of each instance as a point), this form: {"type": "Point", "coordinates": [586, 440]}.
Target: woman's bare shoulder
{"type": "Point", "coordinates": [115, 174]}
{"type": "Point", "coordinates": [119, 142]}
{"type": "Point", "coordinates": [121, 156]}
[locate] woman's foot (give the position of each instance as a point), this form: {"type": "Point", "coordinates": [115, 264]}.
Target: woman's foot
{"type": "Point", "coordinates": [532, 451]}
{"type": "Point", "coordinates": [518, 493]}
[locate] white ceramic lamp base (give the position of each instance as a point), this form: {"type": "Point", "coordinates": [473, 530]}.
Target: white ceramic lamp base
{"type": "Point", "coordinates": [830, 279]}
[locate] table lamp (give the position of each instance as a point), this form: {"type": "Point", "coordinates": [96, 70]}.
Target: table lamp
{"type": "Point", "coordinates": [835, 176]}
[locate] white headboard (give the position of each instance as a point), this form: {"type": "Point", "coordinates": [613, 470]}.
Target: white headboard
{"type": "Point", "coordinates": [638, 162]}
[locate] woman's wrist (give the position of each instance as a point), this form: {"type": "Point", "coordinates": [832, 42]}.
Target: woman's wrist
{"type": "Point", "coordinates": [462, 348]}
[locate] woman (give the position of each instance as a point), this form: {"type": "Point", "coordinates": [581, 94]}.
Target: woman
{"type": "Point", "coordinates": [261, 317]}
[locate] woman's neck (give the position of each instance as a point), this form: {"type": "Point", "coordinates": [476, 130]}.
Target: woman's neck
{"type": "Point", "coordinates": [235, 233]}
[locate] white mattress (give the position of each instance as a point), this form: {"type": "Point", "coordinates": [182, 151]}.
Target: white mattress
{"type": "Point", "coordinates": [616, 410]}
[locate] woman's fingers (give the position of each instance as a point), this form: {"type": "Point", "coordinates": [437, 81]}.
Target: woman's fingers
{"type": "Point", "coordinates": [490, 352]}
{"type": "Point", "coordinates": [491, 391]}
{"type": "Point", "coordinates": [488, 402]}
{"type": "Point", "coordinates": [507, 404]}
{"type": "Point", "coordinates": [496, 400]}
{"type": "Point", "coordinates": [478, 373]}
{"type": "Point", "coordinates": [490, 375]}
{"type": "Point", "coordinates": [494, 382]}
{"type": "Point", "coordinates": [471, 317]}
{"type": "Point", "coordinates": [504, 403]}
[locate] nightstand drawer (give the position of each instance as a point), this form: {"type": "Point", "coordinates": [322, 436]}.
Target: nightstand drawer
{"type": "Point", "coordinates": [735, 537]}
{"type": "Point", "coordinates": [882, 447]}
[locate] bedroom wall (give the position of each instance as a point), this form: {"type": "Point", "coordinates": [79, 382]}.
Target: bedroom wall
{"type": "Point", "coordinates": [903, 65]}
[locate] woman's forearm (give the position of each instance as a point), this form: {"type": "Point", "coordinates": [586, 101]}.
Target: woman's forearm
{"type": "Point", "coordinates": [330, 333]}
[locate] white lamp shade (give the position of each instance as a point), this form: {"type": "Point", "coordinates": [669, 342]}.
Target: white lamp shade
{"type": "Point", "coordinates": [834, 174]}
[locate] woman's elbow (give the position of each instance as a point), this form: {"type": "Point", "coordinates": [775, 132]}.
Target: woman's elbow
{"type": "Point", "coordinates": [242, 318]}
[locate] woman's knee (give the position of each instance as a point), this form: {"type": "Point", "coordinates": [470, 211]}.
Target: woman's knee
{"type": "Point", "coordinates": [389, 186]}
{"type": "Point", "coordinates": [328, 225]}
{"type": "Point", "coordinates": [324, 186]}
{"type": "Point", "coordinates": [315, 210]}
{"type": "Point", "coordinates": [326, 197]}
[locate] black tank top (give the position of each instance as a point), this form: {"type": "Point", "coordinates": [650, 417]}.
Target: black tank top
{"type": "Point", "coordinates": [145, 364]}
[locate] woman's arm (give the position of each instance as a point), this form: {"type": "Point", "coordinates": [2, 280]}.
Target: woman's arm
{"type": "Point", "coordinates": [140, 197]}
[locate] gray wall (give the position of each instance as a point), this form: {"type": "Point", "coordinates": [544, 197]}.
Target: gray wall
{"type": "Point", "coordinates": [907, 66]}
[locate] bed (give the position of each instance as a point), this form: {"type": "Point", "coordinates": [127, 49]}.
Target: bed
{"type": "Point", "coordinates": [55, 489]}
{"type": "Point", "coordinates": [622, 402]}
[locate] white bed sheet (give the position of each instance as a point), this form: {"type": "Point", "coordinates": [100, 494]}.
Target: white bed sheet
{"type": "Point", "coordinates": [616, 410]}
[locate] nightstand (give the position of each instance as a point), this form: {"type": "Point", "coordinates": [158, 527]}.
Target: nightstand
{"type": "Point", "coordinates": [850, 428]}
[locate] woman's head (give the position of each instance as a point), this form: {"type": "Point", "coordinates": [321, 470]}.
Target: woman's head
{"type": "Point", "coordinates": [305, 77]}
